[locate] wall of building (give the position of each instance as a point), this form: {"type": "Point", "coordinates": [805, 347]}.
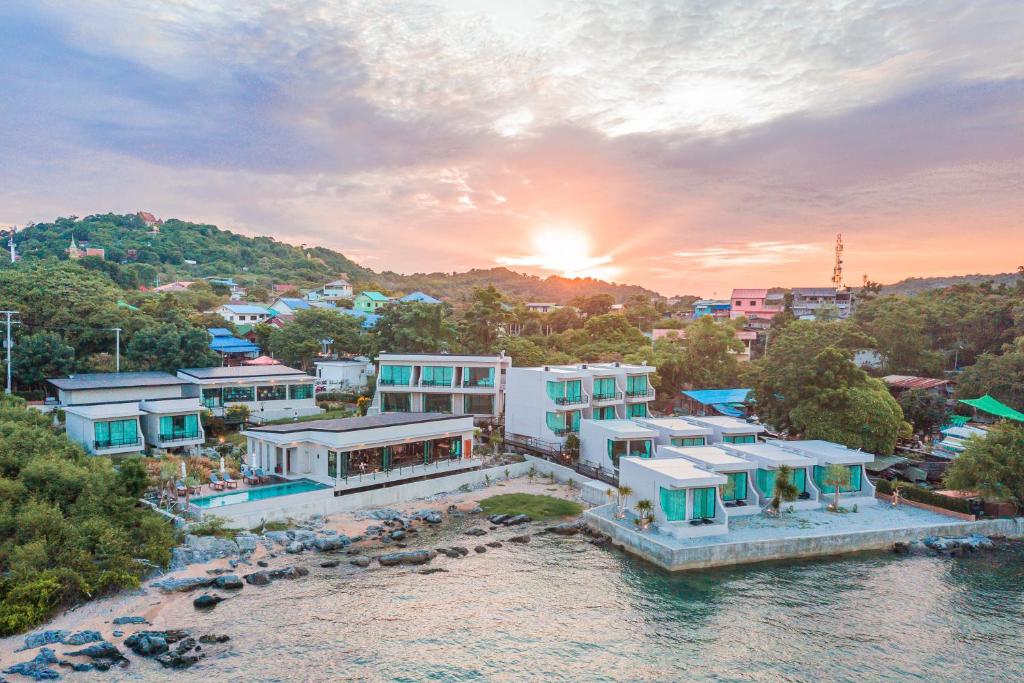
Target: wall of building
{"type": "Point", "coordinates": [78, 397]}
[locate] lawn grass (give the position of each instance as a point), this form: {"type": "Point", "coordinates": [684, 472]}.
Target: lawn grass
{"type": "Point", "coordinates": [538, 507]}
{"type": "Point", "coordinates": [327, 415]}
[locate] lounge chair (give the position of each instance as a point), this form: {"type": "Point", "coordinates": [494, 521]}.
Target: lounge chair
{"type": "Point", "coordinates": [215, 483]}
{"type": "Point", "coordinates": [261, 476]}
{"type": "Point", "coordinates": [180, 488]}
{"type": "Point", "coordinates": [248, 476]}
{"type": "Point", "coordinates": [229, 482]}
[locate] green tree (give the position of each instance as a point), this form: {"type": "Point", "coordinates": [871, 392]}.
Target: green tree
{"type": "Point", "coordinates": [299, 342]}
{"type": "Point", "coordinates": [899, 330]}
{"type": "Point", "coordinates": [865, 417]}
{"type": "Point", "coordinates": [170, 347]}
{"type": "Point", "coordinates": [562, 319]}
{"type": "Point", "coordinates": [992, 465]}
{"type": "Point", "coordinates": [709, 358]}
{"type": "Point", "coordinates": [593, 306]}
{"type": "Point", "coordinates": [785, 490]}
{"type": "Point", "coordinates": [837, 476]}
{"type": "Point", "coordinates": [40, 356]}
{"type": "Point", "coordinates": [415, 327]}
{"type": "Point", "coordinates": [481, 323]}
{"type": "Point", "coordinates": [925, 410]}
{"type": "Point", "coordinates": [607, 337]}
{"type": "Point", "coordinates": [1000, 375]}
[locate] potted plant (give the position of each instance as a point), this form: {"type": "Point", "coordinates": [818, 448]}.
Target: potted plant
{"type": "Point", "coordinates": [644, 508]}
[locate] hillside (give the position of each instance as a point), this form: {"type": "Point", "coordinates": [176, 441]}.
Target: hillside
{"type": "Point", "coordinates": [916, 285]}
{"type": "Point", "coordinates": [137, 254]}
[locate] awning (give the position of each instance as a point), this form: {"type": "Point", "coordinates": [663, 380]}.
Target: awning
{"type": "Point", "coordinates": [883, 462]}
{"type": "Point", "coordinates": [726, 409]}
{"type": "Point", "coordinates": [992, 406]}
{"type": "Point", "coordinates": [710, 397]}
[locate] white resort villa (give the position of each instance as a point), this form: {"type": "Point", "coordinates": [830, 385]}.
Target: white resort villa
{"type": "Point", "coordinates": [604, 443]}
{"type": "Point", "coordinates": [684, 497]}
{"type": "Point", "coordinates": [769, 458]}
{"type": "Point", "coordinates": [128, 412]}
{"type": "Point", "coordinates": [270, 392]}
{"type": "Point", "coordinates": [727, 429]}
{"type": "Point", "coordinates": [675, 431]}
{"type": "Point", "coordinates": [441, 384]}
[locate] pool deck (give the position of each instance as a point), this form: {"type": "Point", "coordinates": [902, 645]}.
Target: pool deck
{"type": "Point", "coordinates": [808, 533]}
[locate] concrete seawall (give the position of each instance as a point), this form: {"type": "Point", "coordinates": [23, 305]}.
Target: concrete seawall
{"type": "Point", "coordinates": [727, 553]}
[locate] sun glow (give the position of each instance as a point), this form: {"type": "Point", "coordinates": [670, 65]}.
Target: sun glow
{"type": "Point", "coordinates": [565, 252]}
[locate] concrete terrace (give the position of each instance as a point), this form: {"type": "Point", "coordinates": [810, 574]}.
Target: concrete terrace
{"type": "Point", "coordinates": [805, 533]}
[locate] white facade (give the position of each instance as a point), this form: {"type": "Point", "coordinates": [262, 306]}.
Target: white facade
{"type": "Point", "coordinates": [769, 458]}
{"type": "Point", "coordinates": [339, 289]}
{"type": "Point", "coordinates": [344, 375]}
{"type": "Point", "coordinates": [108, 413]}
{"type": "Point", "coordinates": [360, 450]}
{"type": "Point", "coordinates": [727, 429]}
{"type": "Point", "coordinates": [441, 383]}
{"type": "Point", "coordinates": [604, 443]}
{"type": "Point", "coordinates": [682, 495]}
{"type": "Point", "coordinates": [243, 314]}
{"type": "Point", "coordinates": [270, 392]}
{"type": "Point", "coordinates": [547, 403]}
{"type": "Point", "coordinates": [674, 431]}
{"type": "Point", "coordinates": [739, 495]}
{"type": "Point", "coordinates": [825, 453]}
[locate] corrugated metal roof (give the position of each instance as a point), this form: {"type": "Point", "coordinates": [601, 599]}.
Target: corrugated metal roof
{"type": "Point", "coordinates": [814, 291]}
{"type": "Point", "coordinates": [911, 382]}
{"type": "Point", "coordinates": [749, 293]}
{"type": "Point", "coordinates": [114, 380]}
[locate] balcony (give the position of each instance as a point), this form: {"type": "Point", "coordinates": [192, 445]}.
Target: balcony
{"type": "Point", "coordinates": [117, 443]}
{"type": "Point", "coordinates": [435, 383]}
{"type": "Point", "coordinates": [562, 431]}
{"type": "Point", "coordinates": [646, 394]}
{"type": "Point", "coordinates": [572, 401]}
{"type": "Point", "coordinates": [181, 436]}
{"type": "Point", "coordinates": [393, 383]}
{"type": "Point", "coordinates": [606, 397]}
{"type": "Point", "coordinates": [478, 383]}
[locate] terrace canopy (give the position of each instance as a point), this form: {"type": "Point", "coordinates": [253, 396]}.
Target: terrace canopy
{"type": "Point", "coordinates": [992, 406]}
{"type": "Point", "coordinates": [731, 402]}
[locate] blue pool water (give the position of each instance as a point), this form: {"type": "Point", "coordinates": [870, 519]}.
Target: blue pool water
{"type": "Point", "coordinates": [259, 493]}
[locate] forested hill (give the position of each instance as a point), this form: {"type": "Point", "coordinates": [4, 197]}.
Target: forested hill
{"type": "Point", "coordinates": [136, 254]}
{"type": "Point", "coordinates": [916, 285]}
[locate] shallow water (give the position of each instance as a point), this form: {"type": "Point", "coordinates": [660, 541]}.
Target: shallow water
{"type": "Point", "coordinates": [562, 610]}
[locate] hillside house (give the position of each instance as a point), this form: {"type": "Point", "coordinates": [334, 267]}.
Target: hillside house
{"type": "Point", "coordinates": [370, 302]}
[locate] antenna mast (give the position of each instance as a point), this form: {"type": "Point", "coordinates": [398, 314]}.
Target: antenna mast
{"type": "Point", "coordinates": [837, 270]}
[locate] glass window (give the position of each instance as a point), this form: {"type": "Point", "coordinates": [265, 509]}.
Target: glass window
{"type": "Point", "coordinates": [332, 463]}
{"type": "Point", "coordinates": [640, 448]}
{"type": "Point", "coordinates": [821, 475]}
{"type": "Point", "coordinates": [606, 413]}
{"type": "Point", "coordinates": [637, 410]}
{"type": "Point", "coordinates": [272, 392]}
{"type": "Point", "coordinates": [740, 438]}
{"type": "Point", "coordinates": [704, 503]}
{"type": "Point", "coordinates": [211, 398]}
{"type": "Point", "coordinates": [239, 394]}
{"type": "Point", "coordinates": [735, 487]}
{"type": "Point", "coordinates": [636, 385]}
{"type": "Point", "coordinates": [478, 377]}
{"type": "Point", "coordinates": [474, 404]}
{"type": "Point", "coordinates": [673, 503]}
{"type": "Point", "coordinates": [437, 403]}
{"type": "Point", "coordinates": [688, 441]}
{"type": "Point", "coordinates": [766, 482]}
{"type": "Point", "coordinates": [604, 388]}
{"type": "Point", "coordinates": [300, 391]}
{"type": "Point", "coordinates": [555, 422]}
{"type": "Point", "coordinates": [617, 450]}
{"type": "Point", "coordinates": [431, 376]}
{"type": "Point", "coordinates": [395, 375]}
{"type": "Point", "coordinates": [116, 433]}
{"type": "Point", "coordinates": [564, 393]}
{"type": "Point", "coordinates": [395, 403]}
{"type": "Point", "coordinates": [179, 427]}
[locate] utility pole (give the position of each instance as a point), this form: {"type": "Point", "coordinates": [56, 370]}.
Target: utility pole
{"type": "Point", "coordinates": [7, 345]}
{"type": "Point", "coordinates": [117, 348]}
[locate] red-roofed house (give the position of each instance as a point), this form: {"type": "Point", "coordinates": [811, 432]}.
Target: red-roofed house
{"type": "Point", "coordinates": [756, 305]}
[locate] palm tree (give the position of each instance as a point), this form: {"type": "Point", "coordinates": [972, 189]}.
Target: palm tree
{"type": "Point", "coordinates": [785, 489]}
{"type": "Point", "coordinates": [610, 493]}
{"type": "Point", "coordinates": [837, 476]}
{"type": "Point", "coordinates": [624, 493]}
{"type": "Point", "coordinates": [644, 508]}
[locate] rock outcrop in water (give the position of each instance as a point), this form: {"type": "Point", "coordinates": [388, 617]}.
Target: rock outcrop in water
{"type": "Point", "coordinates": [38, 668]}
{"type": "Point", "coordinates": [408, 557]}
{"type": "Point", "coordinates": [174, 649]}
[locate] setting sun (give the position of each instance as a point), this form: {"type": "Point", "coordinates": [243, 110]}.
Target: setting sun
{"type": "Point", "coordinates": [565, 252]}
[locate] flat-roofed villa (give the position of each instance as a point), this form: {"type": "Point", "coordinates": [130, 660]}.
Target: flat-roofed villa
{"type": "Point", "coordinates": [859, 491]}
{"type": "Point", "coordinates": [354, 452]}
{"type": "Point", "coordinates": [440, 383]}
{"type": "Point", "coordinates": [769, 458]}
{"type": "Point", "coordinates": [604, 443]}
{"type": "Point", "coordinates": [547, 403]}
{"type": "Point", "coordinates": [727, 429]}
{"type": "Point", "coordinates": [738, 494]}
{"type": "Point", "coordinates": [269, 391]}
{"type": "Point", "coordinates": [684, 498]}
{"type": "Point", "coordinates": [674, 431]}
{"type": "Point", "coordinates": [127, 412]}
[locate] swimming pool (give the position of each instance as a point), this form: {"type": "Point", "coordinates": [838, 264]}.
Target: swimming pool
{"type": "Point", "coordinates": [259, 493]}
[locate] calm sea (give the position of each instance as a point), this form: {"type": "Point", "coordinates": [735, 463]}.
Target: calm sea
{"type": "Point", "coordinates": [563, 610]}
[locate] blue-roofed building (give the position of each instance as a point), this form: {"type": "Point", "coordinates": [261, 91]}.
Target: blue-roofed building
{"type": "Point", "coordinates": [243, 314]}
{"type": "Point", "coordinates": [288, 305]}
{"type": "Point", "coordinates": [419, 297]}
{"type": "Point", "coordinates": [369, 302]}
{"type": "Point", "coordinates": [730, 402]}
{"type": "Point", "coordinates": [715, 309]}
{"type": "Point", "coordinates": [369, 320]}
{"type": "Point", "coordinates": [231, 349]}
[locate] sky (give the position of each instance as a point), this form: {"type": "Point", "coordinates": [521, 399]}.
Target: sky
{"type": "Point", "coordinates": [690, 147]}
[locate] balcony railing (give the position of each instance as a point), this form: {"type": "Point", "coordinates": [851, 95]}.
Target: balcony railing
{"type": "Point", "coordinates": [435, 383]}
{"type": "Point", "coordinates": [562, 431]}
{"type": "Point", "coordinates": [640, 393]}
{"type": "Point", "coordinates": [607, 396]}
{"type": "Point", "coordinates": [181, 436]}
{"type": "Point", "coordinates": [116, 443]}
{"type": "Point", "coordinates": [488, 383]}
{"type": "Point", "coordinates": [393, 383]}
{"type": "Point", "coordinates": [582, 399]}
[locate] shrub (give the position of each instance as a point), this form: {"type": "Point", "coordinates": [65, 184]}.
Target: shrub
{"type": "Point", "coordinates": [213, 526]}
{"type": "Point", "coordinates": [920, 495]}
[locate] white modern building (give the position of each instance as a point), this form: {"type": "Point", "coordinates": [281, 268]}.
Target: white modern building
{"type": "Point", "coordinates": [127, 412]}
{"type": "Point", "coordinates": [859, 491]}
{"type": "Point", "coordinates": [270, 392]}
{"type": "Point", "coordinates": [684, 498]}
{"type": "Point", "coordinates": [738, 495]}
{"type": "Point", "coordinates": [547, 403]}
{"type": "Point", "coordinates": [332, 291]}
{"type": "Point", "coordinates": [769, 458]}
{"type": "Point", "coordinates": [727, 429]}
{"type": "Point", "coordinates": [810, 302]}
{"type": "Point", "coordinates": [604, 443]}
{"type": "Point", "coordinates": [675, 431]}
{"type": "Point", "coordinates": [441, 383]}
{"type": "Point", "coordinates": [355, 452]}
{"type": "Point", "coordinates": [343, 374]}
{"type": "Point", "coordinates": [243, 314]}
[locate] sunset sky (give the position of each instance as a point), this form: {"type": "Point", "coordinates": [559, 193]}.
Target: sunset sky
{"type": "Point", "coordinates": [687, 146]}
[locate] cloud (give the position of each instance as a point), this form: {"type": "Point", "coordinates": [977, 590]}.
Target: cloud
{"type": "Point", "coordinates": [752, 254]}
